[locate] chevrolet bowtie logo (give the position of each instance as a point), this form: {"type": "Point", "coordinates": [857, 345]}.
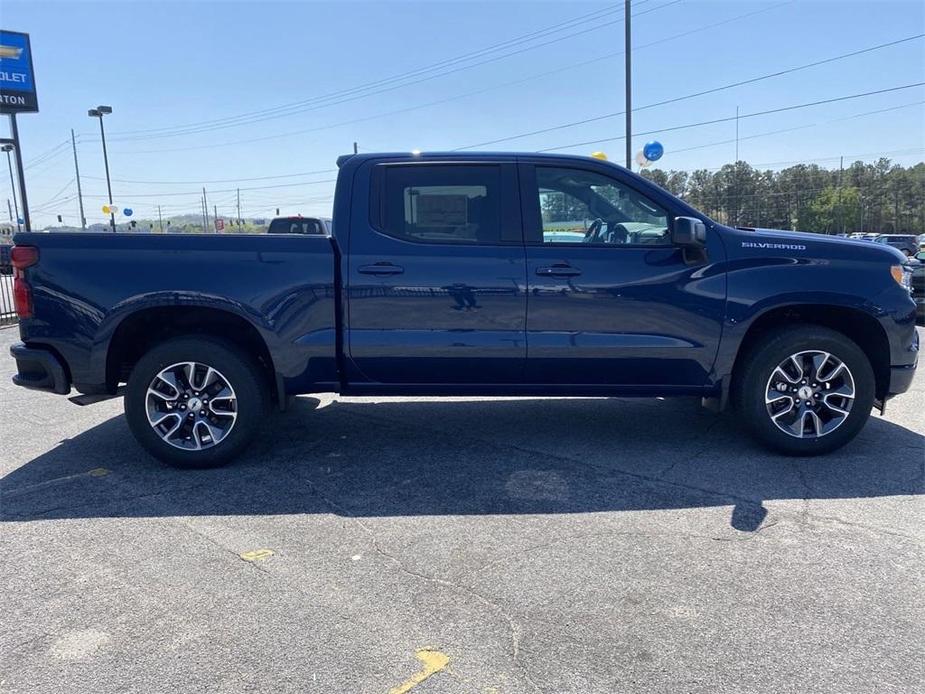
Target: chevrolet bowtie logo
{"type": "Point", "coordinates": [10, 52]}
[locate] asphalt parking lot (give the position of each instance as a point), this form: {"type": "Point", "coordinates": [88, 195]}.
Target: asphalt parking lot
{"type": "Point", "coordinates": [472, 545]}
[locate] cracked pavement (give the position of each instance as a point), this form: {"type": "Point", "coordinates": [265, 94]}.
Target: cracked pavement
{"type": "Point", "coordinates": [544, 545]}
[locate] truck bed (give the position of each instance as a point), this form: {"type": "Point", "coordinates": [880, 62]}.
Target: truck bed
{"type": "Point", "coordinates": [85, 284]}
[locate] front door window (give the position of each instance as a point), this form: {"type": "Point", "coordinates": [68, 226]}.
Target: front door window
{"type": "Point", "coordinates": [578, 206]}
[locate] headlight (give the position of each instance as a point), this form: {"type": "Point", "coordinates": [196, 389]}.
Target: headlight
{"type": "Point", "coordinates": [903, 276]}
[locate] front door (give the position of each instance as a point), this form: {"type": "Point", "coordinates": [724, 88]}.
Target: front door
{"type": "Point", "coordinates": [610, 300]}
{"type": "Point", "coordinates": [435, 276]}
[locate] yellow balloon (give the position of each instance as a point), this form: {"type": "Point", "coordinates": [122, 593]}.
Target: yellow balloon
{"type": "Point", "coordinates": [105, 209]}
{"type": "Point", "coordinates": [599, 155]}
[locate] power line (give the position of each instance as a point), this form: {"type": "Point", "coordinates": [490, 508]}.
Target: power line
{"type": "Point", "coordinates": [54, 198]}
{"type": "Point", "coordinates": [226, 190]}
{"type": "Point", "coordinates": [581, 19]}
{"type": "Point", "coordinates": [273, 202]}
{"type": "Point", "coordinates": [799, 127]}
{"type": "Point", "coordinates": [703, 146]}
{"type": "Point", "coordinates": [704, 92]}
{"type": "Point", "coordinates": [48, 155]}
{"type": "Point", "coordinates": [57, 204]}
{"type": "Point", "coordinates": [218, 180]}
{"type": "Point", "coordinates": [178, 131]}
{"type": "Point", "coordinates": [896, 152]}
{"type": "Point", "coordinates": [732, 118]}
{"type": "Point", "coordinates": [303, 131]}
{"type": "Point", "coordinates": [555, 28]}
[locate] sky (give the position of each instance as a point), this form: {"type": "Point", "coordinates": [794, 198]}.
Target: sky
{"type": "Point", "coordinates": [263, 96]}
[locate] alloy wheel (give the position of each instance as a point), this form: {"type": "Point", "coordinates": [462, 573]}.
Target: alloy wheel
{"type": "Point", "coordinates": [191, 406]}
{"type": "Point", "coordinates": [810, 394]}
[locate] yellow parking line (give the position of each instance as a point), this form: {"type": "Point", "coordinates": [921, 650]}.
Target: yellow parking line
{"type": "Point", "coordinates": [433, 660]}
{"type": "Point", "coordinates": [257, 554]}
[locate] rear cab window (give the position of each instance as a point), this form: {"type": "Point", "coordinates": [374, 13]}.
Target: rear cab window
{"type": "Point", "coordinates": [307, 225]}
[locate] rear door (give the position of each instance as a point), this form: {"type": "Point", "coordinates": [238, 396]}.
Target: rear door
{"type": "Point", "coordinates": [435, 280]}
{"type": "Point", "coordinates": [611, 301]}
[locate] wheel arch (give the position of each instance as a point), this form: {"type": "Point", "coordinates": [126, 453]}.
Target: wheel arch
{"type": "Point", "coordinates": [860, 327]}
{"type": "Point", "coordinates": [139, 331]}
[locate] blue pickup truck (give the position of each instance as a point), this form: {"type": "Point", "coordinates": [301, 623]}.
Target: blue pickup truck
{"type": "Point", "coordinates": [469, 274]}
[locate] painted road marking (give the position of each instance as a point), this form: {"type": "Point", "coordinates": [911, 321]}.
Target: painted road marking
{"type": "Point", "coordinates": [433, 660]}
{"type": "Point", "coordinates": [98, 472]}
{"type": "Point", "coordinates": [257, 554]}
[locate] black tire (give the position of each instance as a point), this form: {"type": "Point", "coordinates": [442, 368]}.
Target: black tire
{"type": "Point", "coordinates": [753, 374]}
{"type": "Point", "coordinates": [240, 371]}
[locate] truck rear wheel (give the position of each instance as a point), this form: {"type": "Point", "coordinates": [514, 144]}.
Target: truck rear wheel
{"type": "Point", "coordinates": [195, 401]}
{"type": "Point", "coordinates": [805, 390]}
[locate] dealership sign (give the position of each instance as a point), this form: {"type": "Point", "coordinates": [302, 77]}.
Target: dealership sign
{"type": "Point", "coordinates": [17, 79]}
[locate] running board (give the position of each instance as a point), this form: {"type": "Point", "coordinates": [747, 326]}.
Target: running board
{"type": "Point", "coordinates": [92, 399]}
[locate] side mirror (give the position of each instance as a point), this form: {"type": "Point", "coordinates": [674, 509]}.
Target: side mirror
{"type": "Point", "coordinates": [688, 231]}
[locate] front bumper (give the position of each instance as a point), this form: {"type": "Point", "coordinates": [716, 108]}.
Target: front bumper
{"type": "Point", "coordinates": [39, 369]}
{"type": "Point", "coordinates": [900, 379]}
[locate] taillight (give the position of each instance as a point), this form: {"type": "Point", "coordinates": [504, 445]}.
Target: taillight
{"type": "Point", "coordinates": [22, 257]}
{"type": "Point", "coordinates": [22, 298]}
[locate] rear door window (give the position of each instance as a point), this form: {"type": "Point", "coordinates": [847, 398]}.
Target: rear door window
{"type": "Point", "coordinates": [453, 204]}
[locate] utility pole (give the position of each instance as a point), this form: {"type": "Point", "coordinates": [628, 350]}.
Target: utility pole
{"type": "Point", "coordinates": [895, 211]}
{"type": "Point", "coordinates": [841, 170]}
{"type": "Point", "coordinates": [9, 208]}
{"type": "Point", "coordinates": [215, 216]}
{"type": "Point", "coordinates": [735, 173]}
{"type": "Point", "coordinates": [160, 220]}
{"type": "Point", "coordinates": [354, 147]}
{"type": "Point", "coordinates": [80, 197]}
{"type": "Point", "coordinates": [628, 53]}
{"type": "Point", "coordinates": [205, 211]}
{"type": "Point", "coordinates": [240, 222]}
{"type": "Point", "coordinates": [737, 134]}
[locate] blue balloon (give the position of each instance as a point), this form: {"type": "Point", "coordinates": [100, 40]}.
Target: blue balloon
{"type": "Point", "coordinates": [653, 151]}
{"type": "Point", "coordinates": [127, 211]}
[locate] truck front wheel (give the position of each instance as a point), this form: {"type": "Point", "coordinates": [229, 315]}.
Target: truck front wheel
{"type": "Point", "coordinates": [195, 401]}
{"type": "Point", "coordinates": [804, 390]}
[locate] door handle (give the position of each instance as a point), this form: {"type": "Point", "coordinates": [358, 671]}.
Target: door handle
{"type": "Point", "coordinates": [558, 270]}
{"type": "Point", "coordinates": [383, 268]}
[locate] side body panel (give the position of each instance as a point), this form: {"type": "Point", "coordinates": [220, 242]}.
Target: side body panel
{"type": "Point", "coordinates": [85, 285]}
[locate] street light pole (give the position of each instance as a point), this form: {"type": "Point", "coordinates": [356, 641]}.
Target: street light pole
{"type": "Point", "coordinates": [23, 198]}
{"type": "Point", "coordinates": [9, 160]}
{"type": "Point", "coordinates": [99, 112]}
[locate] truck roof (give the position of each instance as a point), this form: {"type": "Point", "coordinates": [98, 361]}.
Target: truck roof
{"type": "Point", "coordinates": [466, 156]}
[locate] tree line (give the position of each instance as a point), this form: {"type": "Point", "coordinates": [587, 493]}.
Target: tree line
{"type": "Point", "coordinates": [881, 197]}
